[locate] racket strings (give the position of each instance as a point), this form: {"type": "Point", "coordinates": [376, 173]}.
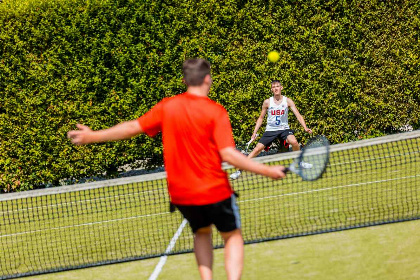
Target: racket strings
{"type": "Point", "coordinates": [314, 158]}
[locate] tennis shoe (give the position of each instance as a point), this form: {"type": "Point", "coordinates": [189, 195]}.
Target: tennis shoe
{"type": "Point", "coordinates": [235, 175]}
{"type": "Point", "coordinates": [306, 165]}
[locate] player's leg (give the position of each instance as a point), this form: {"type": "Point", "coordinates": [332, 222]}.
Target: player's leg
{"type": "Point", "coordinates": [257, 150]}
{"type": "Point", "coordinates": [200, 224]}
{"type": "Point", "coordinates": [203, 250]}
{"type": "Point", "coordinates": [288, 135]}
{"type": "Point", "coordinates": [291, 139]}
{"type": "Point", "coordinates": [234, 253]}
{"type": "Point", "coordinates": [227, 220]}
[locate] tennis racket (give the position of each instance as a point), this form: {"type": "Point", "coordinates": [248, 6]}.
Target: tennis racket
{"type": "Point", "coordinates": [313, 159]}
{"type": "Point", "coordinates": [245, 152]}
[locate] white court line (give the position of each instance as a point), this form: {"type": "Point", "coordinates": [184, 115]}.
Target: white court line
{"type": "Point", "coordinates": [163, 259]}
{"type": "Point", "coordinates": [241, 201]}
{"type": "Point", "coordinates": [327, 189]}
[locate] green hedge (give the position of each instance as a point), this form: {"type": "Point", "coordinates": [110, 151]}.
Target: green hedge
{"type": "Point", "coordinates": [352, 69]}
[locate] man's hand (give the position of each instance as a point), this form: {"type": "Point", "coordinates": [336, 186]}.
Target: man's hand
{"type": "Point", "coordinates": [277, 172]}
{"type": "Point", "coordinates": [81, 136]}
{"type": "Point", "coordinates": [308, 130]}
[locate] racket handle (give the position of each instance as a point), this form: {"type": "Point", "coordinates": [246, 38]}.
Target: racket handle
{"type": "Point", "coordinates": [250, 141]}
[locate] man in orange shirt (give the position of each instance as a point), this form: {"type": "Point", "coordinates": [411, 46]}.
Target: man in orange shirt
{"type": "Point", "coordinates": [197, 138]}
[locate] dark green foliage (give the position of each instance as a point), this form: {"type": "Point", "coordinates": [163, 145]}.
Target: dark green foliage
{"type": "Point", "coordinates": [352, 70]}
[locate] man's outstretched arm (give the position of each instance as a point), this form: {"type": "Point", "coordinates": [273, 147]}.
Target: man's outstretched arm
{"type": "Point", "coordinates": [125, 130]}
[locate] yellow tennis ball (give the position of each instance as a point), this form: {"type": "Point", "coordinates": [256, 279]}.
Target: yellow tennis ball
{"type": "Point", "coordinates": [273, 56]}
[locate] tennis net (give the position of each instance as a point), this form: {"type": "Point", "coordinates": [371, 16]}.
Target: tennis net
{"type": "Point", "coordinates": [367, 182]}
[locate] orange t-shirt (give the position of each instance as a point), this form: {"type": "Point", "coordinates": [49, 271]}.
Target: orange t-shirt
{"type": "Point", "coordinates": [194, 130]}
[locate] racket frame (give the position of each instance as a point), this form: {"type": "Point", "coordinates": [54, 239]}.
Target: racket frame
{"type": "Point", "coordinates": [297, 162]}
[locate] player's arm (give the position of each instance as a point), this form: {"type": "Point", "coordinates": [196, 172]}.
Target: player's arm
{"type": "Point", "coordinates": [260, 120]}
{"type": "Point", "coordinates": [240, 161]}
{"type": "Point", "coordinates": [149, 123]}
{"type": "Point", "coordinates": [85, 135]}
{"type": "Point", "coordinates": [299, 117]}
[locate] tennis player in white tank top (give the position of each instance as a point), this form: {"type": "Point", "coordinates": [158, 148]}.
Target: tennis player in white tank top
{"type": "Point", "coordinates": [277, 109]}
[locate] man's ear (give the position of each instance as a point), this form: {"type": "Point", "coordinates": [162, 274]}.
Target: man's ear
{"type": "Point", "coordinates": [207, 79]}
{"type": "Point", "coordinates": [183, 81]}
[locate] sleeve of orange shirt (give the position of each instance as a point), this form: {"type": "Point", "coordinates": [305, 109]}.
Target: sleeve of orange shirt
{"type": "Point", "coordinates": [222, 132]}
{"type": "Point", "coordinates": [151, 122]}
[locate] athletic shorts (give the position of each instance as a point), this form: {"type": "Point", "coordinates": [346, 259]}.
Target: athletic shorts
{"type": "Point", "coordinates": [269, 136]}
{"type": "Point", "coordinates": [224, 215]}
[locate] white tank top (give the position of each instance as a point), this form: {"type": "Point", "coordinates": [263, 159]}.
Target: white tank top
{"type": "Point", "coordinates": [277, 115]}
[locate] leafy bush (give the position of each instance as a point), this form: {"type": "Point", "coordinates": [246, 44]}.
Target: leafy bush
{"type": "Point", "coordinates": [351, 68]}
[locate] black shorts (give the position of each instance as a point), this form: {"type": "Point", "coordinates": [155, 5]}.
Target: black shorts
{"type": "Point", "coordinates": [269, 136]}
{"type": "Point", "coordinates": [224, 215]}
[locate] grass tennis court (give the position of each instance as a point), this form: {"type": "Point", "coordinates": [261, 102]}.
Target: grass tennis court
{"type": "Point", "coordinates": [381, 252]}
{"type": "Point", "coordinates": [362, 186]}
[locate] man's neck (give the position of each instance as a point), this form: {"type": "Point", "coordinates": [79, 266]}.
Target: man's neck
{"type": "Point", "coordinates": [278, 97]}
{"type": "Point", "coordinates": [198, 90]}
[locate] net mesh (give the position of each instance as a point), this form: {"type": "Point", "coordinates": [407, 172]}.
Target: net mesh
{"type": "Point", "coordinates": [366, 183]}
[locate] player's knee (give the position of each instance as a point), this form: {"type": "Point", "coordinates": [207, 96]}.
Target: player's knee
{"type": "Point", "coordinates": [293, 142]}
{"type": "Point", "coordinates": [259, 148]}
